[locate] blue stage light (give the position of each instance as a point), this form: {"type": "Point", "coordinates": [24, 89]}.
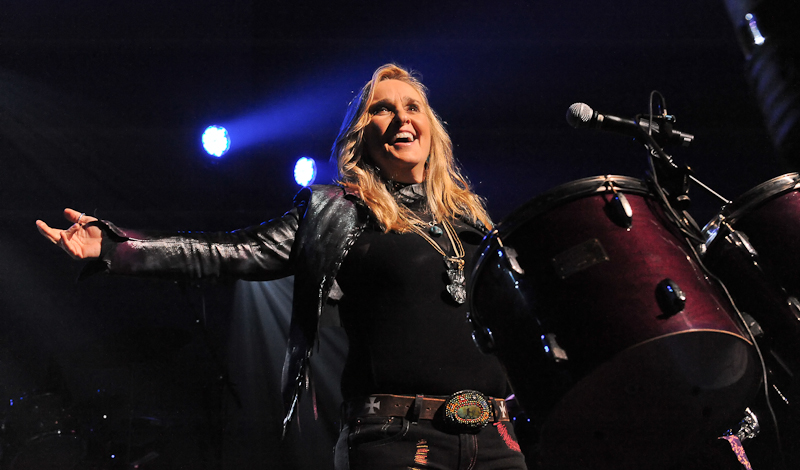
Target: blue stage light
{"type": "Point", "coordinates": [216, 141]}
{"type": "Point", "coordinates": [305, 171]}
{"type": "Point", "coordinates": [758, 38]}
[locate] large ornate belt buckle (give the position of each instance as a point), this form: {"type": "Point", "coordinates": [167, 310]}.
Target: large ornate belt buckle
{"type": "Point", "coordinates": [467, 409]}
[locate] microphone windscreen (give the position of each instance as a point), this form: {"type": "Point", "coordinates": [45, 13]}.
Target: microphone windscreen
{"type": "Point", "coordinates": [579, 115]}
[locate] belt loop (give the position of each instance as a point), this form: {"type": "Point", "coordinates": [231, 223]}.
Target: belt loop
{"type": "Point", "coordinates": [416, 409]}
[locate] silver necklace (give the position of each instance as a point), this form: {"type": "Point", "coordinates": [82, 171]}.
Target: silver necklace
{"type": "Point", "coordinates": [454, 264]}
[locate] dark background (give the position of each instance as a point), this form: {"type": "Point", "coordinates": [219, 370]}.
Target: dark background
{"type": "Point", "coordinates": [102, 105]}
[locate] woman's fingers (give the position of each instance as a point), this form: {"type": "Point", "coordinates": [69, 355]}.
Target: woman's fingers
{"type": "Point", "coordinates": [55, 234]}
{"type": "Point", "coordinates": [50, 233]}
{"type": "Point", "coordinates": [78, 240]}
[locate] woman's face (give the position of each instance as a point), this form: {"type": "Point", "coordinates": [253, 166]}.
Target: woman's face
{"type": "Point", "coordinates": [398, 136]}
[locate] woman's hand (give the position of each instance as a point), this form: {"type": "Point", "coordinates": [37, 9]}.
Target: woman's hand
{"type": "Point", "coordinates": [79, 241]}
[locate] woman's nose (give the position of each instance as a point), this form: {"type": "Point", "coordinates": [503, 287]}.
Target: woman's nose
{"type": "Point", "coordinates": [403, 116]}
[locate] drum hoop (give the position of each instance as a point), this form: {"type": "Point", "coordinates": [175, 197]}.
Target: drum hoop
{"type": "Point", "coordinates": [757, 196]}
{"type": "Point", "coordinates": [569, 192]}
{"type": "Point", "coordinates": [535, 207]}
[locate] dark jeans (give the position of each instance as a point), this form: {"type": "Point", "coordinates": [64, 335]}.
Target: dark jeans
{"type": "Point", "coordinates": [381, 443]}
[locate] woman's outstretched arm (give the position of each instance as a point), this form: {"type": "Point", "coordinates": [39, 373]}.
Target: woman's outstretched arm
{"type": "Point", "coordinates": [260, 252]}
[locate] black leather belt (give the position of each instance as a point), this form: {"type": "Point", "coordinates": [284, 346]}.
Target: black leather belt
{"type": "Point", "coordinates": [468, 408]}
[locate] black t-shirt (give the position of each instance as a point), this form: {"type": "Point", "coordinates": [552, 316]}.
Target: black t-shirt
{"type": "Point", "coordinates": [407, 336]}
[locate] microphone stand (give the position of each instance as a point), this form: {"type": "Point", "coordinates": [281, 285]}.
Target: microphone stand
{"type": "Point", "coordinates": [667, 165]}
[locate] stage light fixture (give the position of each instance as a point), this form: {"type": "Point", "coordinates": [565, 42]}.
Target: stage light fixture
{"type": "Point", "coordinates": [305, 171]}
{"type": "Point", "coordinates": [216, 141]}
{"type": "Point", "coordinates": [758, 38]}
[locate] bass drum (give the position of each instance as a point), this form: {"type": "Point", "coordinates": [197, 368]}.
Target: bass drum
{"type": "Point", "coordinates": [753, 246]}
{"type": "Point", "coordinates": [613, 339]}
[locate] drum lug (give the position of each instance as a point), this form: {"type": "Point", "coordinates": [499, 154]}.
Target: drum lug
{"type": "Point", "coordinates": [619, 211]}
{"type": "Point", "coordinates": [511, 257]}
{"type": "Point", "coordinates": [670, 297]}
{"type": "Point", "coordinates": [555, 352]}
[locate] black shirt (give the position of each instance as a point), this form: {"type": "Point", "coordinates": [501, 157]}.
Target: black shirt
{"type": "Point", "coordinates": [407, 336]}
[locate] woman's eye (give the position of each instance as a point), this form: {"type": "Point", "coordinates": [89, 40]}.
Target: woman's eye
{"type": "Point", "coordinates": [381, 110]}
{"type": "Point", "coordinates": [413, 108]}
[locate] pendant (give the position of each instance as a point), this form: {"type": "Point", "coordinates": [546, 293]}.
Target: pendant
{"type": "Point", "coordinates": [457, 287]}
{"type": "Point", "coordinates": [456, 275]}
{"type": "Point", "coordinates": [457, 292]}
{"type": "Point", "coordinates": [435, 231]}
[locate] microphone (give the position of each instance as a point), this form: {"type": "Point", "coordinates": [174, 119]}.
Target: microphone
{"type": "Point", "coordinates": [580, 115]}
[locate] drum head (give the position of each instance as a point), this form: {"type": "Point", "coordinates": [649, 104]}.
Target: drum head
{"type": "Point", "coordinates": [566, 193]}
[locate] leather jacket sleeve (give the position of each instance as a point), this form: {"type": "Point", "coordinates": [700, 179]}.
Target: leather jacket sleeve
{"type": "Point", "coordinates": [258, 253]}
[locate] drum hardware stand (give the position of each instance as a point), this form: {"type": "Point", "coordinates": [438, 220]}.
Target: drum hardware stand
{"type": "Point", "coordinates": [749, 426]}
{"type": "Point", "coordinates": [748, 429]}
{"type": "Point", "coordinates": [678, 177]}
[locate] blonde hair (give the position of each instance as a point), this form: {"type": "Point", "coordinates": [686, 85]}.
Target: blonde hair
{"type": "Point", "coordinates": [448, 193]}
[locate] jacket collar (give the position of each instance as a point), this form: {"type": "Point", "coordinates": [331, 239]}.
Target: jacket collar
{"type": "Point", "coordinates": [407, 194]}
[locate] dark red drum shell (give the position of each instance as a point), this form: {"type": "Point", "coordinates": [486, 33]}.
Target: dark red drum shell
{"type": "Point", "coordinates": [697, 363]}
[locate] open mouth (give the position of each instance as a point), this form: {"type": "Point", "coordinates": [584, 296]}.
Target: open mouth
{"type": "Point", "coordinates": [403, 137]}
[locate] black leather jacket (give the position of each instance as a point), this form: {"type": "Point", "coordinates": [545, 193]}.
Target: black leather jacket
{"type": "Point", "coordinates": [310, 242]}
